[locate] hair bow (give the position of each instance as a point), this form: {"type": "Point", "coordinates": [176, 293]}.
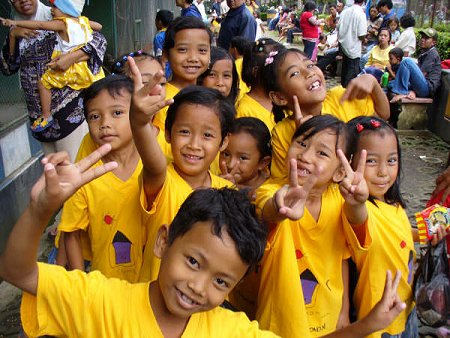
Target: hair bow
{"type": "Point", "coordinates": [269, 59]}
{"type": "Point", "coordinates": [359, 127]}
{"type": "Point", "coordinates": [375, 123]}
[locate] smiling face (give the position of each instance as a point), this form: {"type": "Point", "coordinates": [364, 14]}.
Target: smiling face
{"type": "Point", "coordinates": [220, 77]}
{"type": "Point", "coordinates": [26, 7]}
{"type": "Point", "coordinates": [301, 77]}
{"type": "Point", "coordinates": [190, 56]}
{"type": "Point", "coordinates": [108, 119]}
{"type": "Point", "coordinates": [197, 271]}
{"type": "Point", "coordinates": [317, 153]}
{"type": "Point", "coordinates": [148, 68]}
{"type": "Point", "coordinates": [382, 161]}
{"type": "Point", "coordinates": [195, 139]}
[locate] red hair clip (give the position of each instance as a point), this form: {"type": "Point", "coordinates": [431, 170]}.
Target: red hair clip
{"type": "Point", "coordinates": [359, 127]}
{"type": "Point", "coordinates": [375, 123]}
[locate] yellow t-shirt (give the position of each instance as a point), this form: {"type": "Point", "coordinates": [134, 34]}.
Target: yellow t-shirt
{"type": "Point", "coordinates": [388, 245]}
{"type": "Point", "coordinates": [76, 304]}
{"type": "Point", "coordinates": [249, 107]}
{"type": "Point", "coordinates": [243, 88]}
{"type": "Point", "coordinates": [108, 210]}
{"type": "Point", "coordinates": [283, 131]}
{"type": "Point", "coordinates": [173, 193]}
{"type": "Point", "coordinates": [378, 57]}
{"type": "Point", "coordinates": [301, 287]}
{"type": "Point", "coordinates": [160, 118]}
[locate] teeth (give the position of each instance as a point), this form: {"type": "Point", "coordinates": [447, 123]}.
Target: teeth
{"type": "Point", "coordinates": [186, 299]}
{"type": "Point", "coordinates": [314, 85]}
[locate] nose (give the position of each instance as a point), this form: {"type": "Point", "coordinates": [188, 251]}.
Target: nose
{"type": "Point", "coordinates": [232, 162]}
{"type": "Point", "coordinates": [194, 141]}
{"type": "Point", "coordinates": [198, 285]}
{"type": "Point", "coordinates": [105, 122]}
{"type": "Point", "coordinates": [305, 155]}
{"type": "Point", "coordinates": [192, 55]}
{"type": "Point", "coordinates": [219, 82]}
{"type": "Point", "coordinates": [382, 170]}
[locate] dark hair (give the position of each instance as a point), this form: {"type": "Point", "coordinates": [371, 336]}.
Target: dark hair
{"type": "Point", "coordinates": [407, 20]}
{"type": "Point", "coordinates": [330, 6]}
{"type": "Point", "coordinates": [394, 19]}
{"type": "Point", "coordinates": [257, 129]}
{"type": "Point", "coordinates": [121, 65]}
{"type": "Point", "coordinates": [228, 210]}
{"type": "Point", "coordinates": [207, 97]}
{"type": "Point", "coordinates": [180, 23]}
{"type": "Point", "coordinates": [114, 84]}
{"type": "Point", "coordinates": [241, 44]}
{"type": "Point", "coordinates": [254, 59]}
{"type": "Point", "coordinates": [393, 195]}
{"type": "Point", "coordinates": [319, 123]}
{"type": "Point", "coordinates": [387, 3]}
{"type": "Point", "coordinates": [164, 16]}
{"type": "Point", "coordinates": [309, 6]}
{"type": "Point", "coordinates": [217, 54]}
{"type": "Point", "coordinates": [397, 52]}
{"type": "Point", "coordinates": [388, 31]}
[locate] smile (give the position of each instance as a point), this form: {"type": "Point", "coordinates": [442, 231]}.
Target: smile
{"type": "Point", "coordinates": [185, 301]}
{"type": "Point", "coordinates": [192, 158]}
{"type": "Point", "coordinates": [315, 85]}
{"type": "Point", "coordinates": [303, 172]}
{"type": "Point", "coordinates": [191, 69]}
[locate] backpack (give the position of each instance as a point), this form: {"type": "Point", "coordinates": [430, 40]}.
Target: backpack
{"type": "Point", "coordinates": [431, 286]}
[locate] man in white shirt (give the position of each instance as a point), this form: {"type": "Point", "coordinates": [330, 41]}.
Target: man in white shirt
{"type": "Point", "coordinates": [201, 8]}
{"type": "Point", "coordinates": [352, 29]}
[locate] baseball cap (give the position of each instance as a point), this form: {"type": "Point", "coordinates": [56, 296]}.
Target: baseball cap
{"type": "Point", "coordinates": [430, 32]}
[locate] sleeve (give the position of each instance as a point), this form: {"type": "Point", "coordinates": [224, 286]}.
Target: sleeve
{"type": "Point", "coordinates": [266, 192]}
{"type": "Point", "coordinates": [358, 250]}
{"type": "Point", "coordinates": [96, 49]}
{"type": "Point", "coordinates": [362, 26]}
{"type": "Point", "coordinates": [247, 28]}
{"type": "Point", "coordinates": [75, 214]}
{"type": "Point", "coordinates": [9, 64]}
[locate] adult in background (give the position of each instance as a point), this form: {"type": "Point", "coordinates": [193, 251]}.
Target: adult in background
{"type": "Point", "coordinates": [385, 8]}
{"type": "Point", "coordinates": [407, 40]}
{"type": "Point", "coordinates": [216, 8]}
{"type": "Point", "coordinates": [352, 29]}
{"type": "Point", "coordinates": [201, 8]}
{"type": "Point", "coordinates": [309, 25]}
{"type": "Point", "coordinates": [188, 8]}
{"type": "Point", "coordinates": [294, 29]}
{"type": "Point", "coordinates": [379, 55]}
{"type": "Point", "coordinates": [238, 22]}
{"type": "Point", "coordinates": [33, 50]}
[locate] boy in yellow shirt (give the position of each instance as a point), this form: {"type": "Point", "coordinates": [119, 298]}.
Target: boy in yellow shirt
{"type": "Point", "coordinates": [212, 243]}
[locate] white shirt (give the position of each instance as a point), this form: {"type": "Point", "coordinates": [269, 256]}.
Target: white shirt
{"type": "Point", "coordinates": [352, 25]}
{"type": "Point", "coordinates": [259, 33]}
{"type": "Point", "coordinates": [224, 8]}
{"type": "Point", "coordinates": [201, 9]}
{"type": "Point", "coordinates": [407, 41]}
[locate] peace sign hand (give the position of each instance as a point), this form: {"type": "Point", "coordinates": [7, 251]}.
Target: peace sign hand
{"type": "Point", "coordinates": [147, 99]}
{"type": "Point", "coordinates": [298, 116]}
{"type": "Point", "coordinates": [230, 176]}
{"type": "Point", "coordinates": [290, 199]}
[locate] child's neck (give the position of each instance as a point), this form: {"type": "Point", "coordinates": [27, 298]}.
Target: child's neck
{"type": "Point", "coordinates": [181, 83]}
{"type": "Point", "coordinates": [260, 96]}
{"type": "Point", "coordinates": [127, 159]}
{"type": "Point", "coordinates": [170, 325]}
{"type": "Point", "coordinates": [314, 201]}
{"type": "Point", "coordinates": [202, 180]}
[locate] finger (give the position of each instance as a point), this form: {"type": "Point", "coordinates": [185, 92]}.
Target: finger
{"type": "Point", "coordinates": [297, 111]}
{"type": "Point", "coordinates": [51, 179]}
{"type": "Point", "coordinates": [59, 158]}
{"type": "Point", "coordinates": [93, 157]}
{"type": "Point", "coordinates": [347, 93]}
{"type": "Point", "coordinates": [136, 74]}
{"type": "Point", "coordinates": [396, 281]}
{"type": "Point", "coordinates": [98, 171]}
{"type": "Point", "coordinates": [223, 167]}
{"type": "Point", "coordinates": [293, 175]}
{"type": "Point", "coordinates": [347, 167]}
{"type": "Point", "coordinates": [153, 84]}
{"type": "Point", "coordinates": [235, 168]}
{"type": "Point", "coordinates": [362, 162]}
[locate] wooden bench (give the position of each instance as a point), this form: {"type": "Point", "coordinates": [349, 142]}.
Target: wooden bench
{"type": "Point", "coordinates": [414, 113]}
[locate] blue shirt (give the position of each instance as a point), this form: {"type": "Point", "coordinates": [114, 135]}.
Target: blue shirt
{"type": "Point", "coordinates": [192, 10]}
{"type": "Point", "coordinates": [238, 22]}
{"type": "Point", "coordinates": [158, 42]}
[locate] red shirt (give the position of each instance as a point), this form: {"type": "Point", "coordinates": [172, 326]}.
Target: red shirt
{"type": "Point", "coordinates": [308, 29]}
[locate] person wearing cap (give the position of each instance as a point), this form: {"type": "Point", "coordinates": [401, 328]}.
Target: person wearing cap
{"type": "Point", "coordinates": [419, 80]}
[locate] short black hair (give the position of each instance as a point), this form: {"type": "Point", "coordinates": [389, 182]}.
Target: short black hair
{"type": "Point", "coordinates": [388, 31]}
{"type": "Point", "coordinates": [241, 44]}
{"type": "Point", "coordinates": [258, 130]}
{"type": "Point", "coordinates": [229, 210]}
{"type": "Point", "coordinates": [387, 3]}
{"type": "Point", "coordinates": [372, 124]}
{"type": "Point", "coordinates": [319, 123]}
{"type": "Point", "coordinates": [164, 16]}
{"type": "Point", "coordinates": [254, 60]}
{"type": "Point", "coordinates": [198, 95]}
{"type": "Point", "coordinates": [217, 54]}
{"type": "Point", "coordinates": [121, 65]}
{"type": "Point", "coordinates": [309, 6]}
{"type": "Point", "coordinates": [397, 52]}
{"type": "Point", "coordinates": [180, 23]}
{"type": "Point", "coordinates": [407, 20]}
{"type": "Point", "coordinates": [114, 84]}
{"type": "Point", "coordinates": [330, 6]}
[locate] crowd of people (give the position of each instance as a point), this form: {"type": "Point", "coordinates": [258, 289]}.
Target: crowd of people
{"type": "Point", "coordinates": [221, 189]}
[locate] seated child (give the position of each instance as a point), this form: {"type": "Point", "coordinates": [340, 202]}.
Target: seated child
{"type": "Point", "coordinates": [103, 208]}
{"type": "Point", "coordinates": [395, 57]}
{"type": "Point", "coordinates": [197, 126]}
{"type": "Point", "coordinates": [212, 243]}
{"type": "Point", "coordinates": [72, 33]}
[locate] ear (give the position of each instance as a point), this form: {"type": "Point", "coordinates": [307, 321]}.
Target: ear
{"type": "Point", "coordinates": [339, 174]}
{"type": "Point", "coordinates": [278, 98]}
{"type": "Point", "coordinates": [224, 144]}
{"type": "Point", "coordinates": [167, 135]}
{"type": "Point", "coordinates": [161, 242]}
{"type": "Point", "coordinates": [264, 162]}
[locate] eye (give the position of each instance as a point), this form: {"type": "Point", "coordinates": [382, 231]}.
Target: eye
{"type": "Point", "coordinates": [208, 135]}
{"type": "Point", "coordinates": [323, 153]}
{"type": "Point", "coordinates": [301, 143]}
{"type": "Point", "coordinates": [193, 262]}
{"type": "Point", "coordinates": [118, 113]}
{"type": "Point", "coordinates": [393, 161]}
{"type": "Point", "coordinates": [310, 65]}
{"type": "Point", "coordinates": [221, 283]}
{"type": "Point", "coordinates": [212, 75]}
{"type": "Point", "coordinates": [296, 73]}
{"type": "Point", "coordinates": [225, 154]}
{"type": "Point", "coordinates": [203, 50]}
{"type": "Point", "coordinates": [181, 50]}
{"type": "Point", "coordinates": [183, 132]}
{"type": "Point", "coordinates": [371, 161]}
{"type": "Point", "coordinates": [227, 76]}
{"type": "Point", "coordinates": [243, 158]}
{"type": "Point", "coordinates": [93, 117]}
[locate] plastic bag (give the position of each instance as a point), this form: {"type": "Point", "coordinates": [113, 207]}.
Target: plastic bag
{"type": "Point", "coordinates": [431, 286]}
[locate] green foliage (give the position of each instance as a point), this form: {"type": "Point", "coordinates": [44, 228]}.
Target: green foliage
{"type": "Point", "coordinates": [443, 44]}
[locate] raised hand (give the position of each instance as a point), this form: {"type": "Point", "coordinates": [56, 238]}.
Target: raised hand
{"type": "Point", "coordinates": [354, 187]}
{"type": "Point", "coordinates": [7, 22]}
{"type": "Point", "coordinates": [19, 32]}
{"type": "Point", "coordinates": [62, 178]}
{"type": "Point", "coordinates": [360, 87]}
{"type": "Point", "coordinates": [298, 116]}
{"type": "Point", "coordinates": [290, 199]}
{"type": "Point", "coordinates": [230, 176]}
{"type": "Point", "coordinates": [147, 99]}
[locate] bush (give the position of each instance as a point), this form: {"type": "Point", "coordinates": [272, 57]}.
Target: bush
{"type": "Point", "coordinates": [443, 44]}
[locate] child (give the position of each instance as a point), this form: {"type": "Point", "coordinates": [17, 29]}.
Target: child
{"type": "Point", "coordinates": [260, 31]}
{"type": "Point", "coordinates": [197, 126]}
{"type": "Point", "coordinates": [238, 47]}
{"type": "Point", "coordinates": [395, 57]}
{"type": "Point", "coordinates": [257, 102]}
{"type": "Point", "coordinates": [73, 32]}
{"type": "Point", "coordinates": [103, 208]}
{"type": "Point", "coordinates": [187, 49]}
{"type": "Point", "coordinates": [394, 28]}
{"type": "Point", "coordinates": [162, 21]}
{"type": "Point", "coordinates": [246, 159]}
{"type": "Point", "coordinates": [295, 84]}
{"type": "Point", "coordinates": [385, 240]}
{"type": "Point", "coordinates": [213, 242]}
{"type": "Point", "coordinates": [221, 74]}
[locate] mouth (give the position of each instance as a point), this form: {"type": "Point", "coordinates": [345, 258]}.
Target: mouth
{"type": "Point", "coordinates": [185, 301]}
{"type": "Point", "coordinates": [302, 171]}
{"type": "Point", "coordinates": [191, 69]}
{"type": "Point", "coordinates": [107, 138]}
{"type": "Point", "coordinates": [315, 85]}
{"type": "Point", "coordinates": [192, 158]}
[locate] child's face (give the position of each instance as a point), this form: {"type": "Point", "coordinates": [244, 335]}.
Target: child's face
{"type": "Point", "coordinates": [382, 161]}
{"type": "Point", "coordinates": [393, 26]}
{"type": "Point", "coordinates": [198, 270]}
{"type": "Point", "coordinates": [195, 139]}
{"type": "Point", "coordinates": [108, 119]}
{"type": "Point", "coordinates": [301, 77]}
{"type": "Point", "coordinates": [243, 148]}
{"type": "Point", "coordinates": [148, 69]}
{"type": "Point", "coordinates": [317, 154]}
{"type": "Point", "coordinates": [220, 77]}
{"type": "Point", "coordinates": [393, 60]}
{"type": "Point", "coordinates": [190, 55]}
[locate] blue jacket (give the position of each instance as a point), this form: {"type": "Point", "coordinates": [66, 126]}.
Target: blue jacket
{"type": "Point", "coordinates": [192, 10]}
{"type": "Point", "coordinates": [238, 22]}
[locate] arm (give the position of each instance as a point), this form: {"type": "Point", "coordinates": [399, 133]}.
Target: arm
{"type": "Point", "coordinates": [146, 102]}
{"type": "Point", "coordinates": [73, 250]}
{"type": "Point", "coordinates": [95, 25]}
{"type": "Point", "coordinates": [59, 181]}
{"type": "Point", "coordinates": [344, 316]}
{"type": "Point", "coordinates": [64, 61]}
{"type": "Point", "coordinates": [53, 25]}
